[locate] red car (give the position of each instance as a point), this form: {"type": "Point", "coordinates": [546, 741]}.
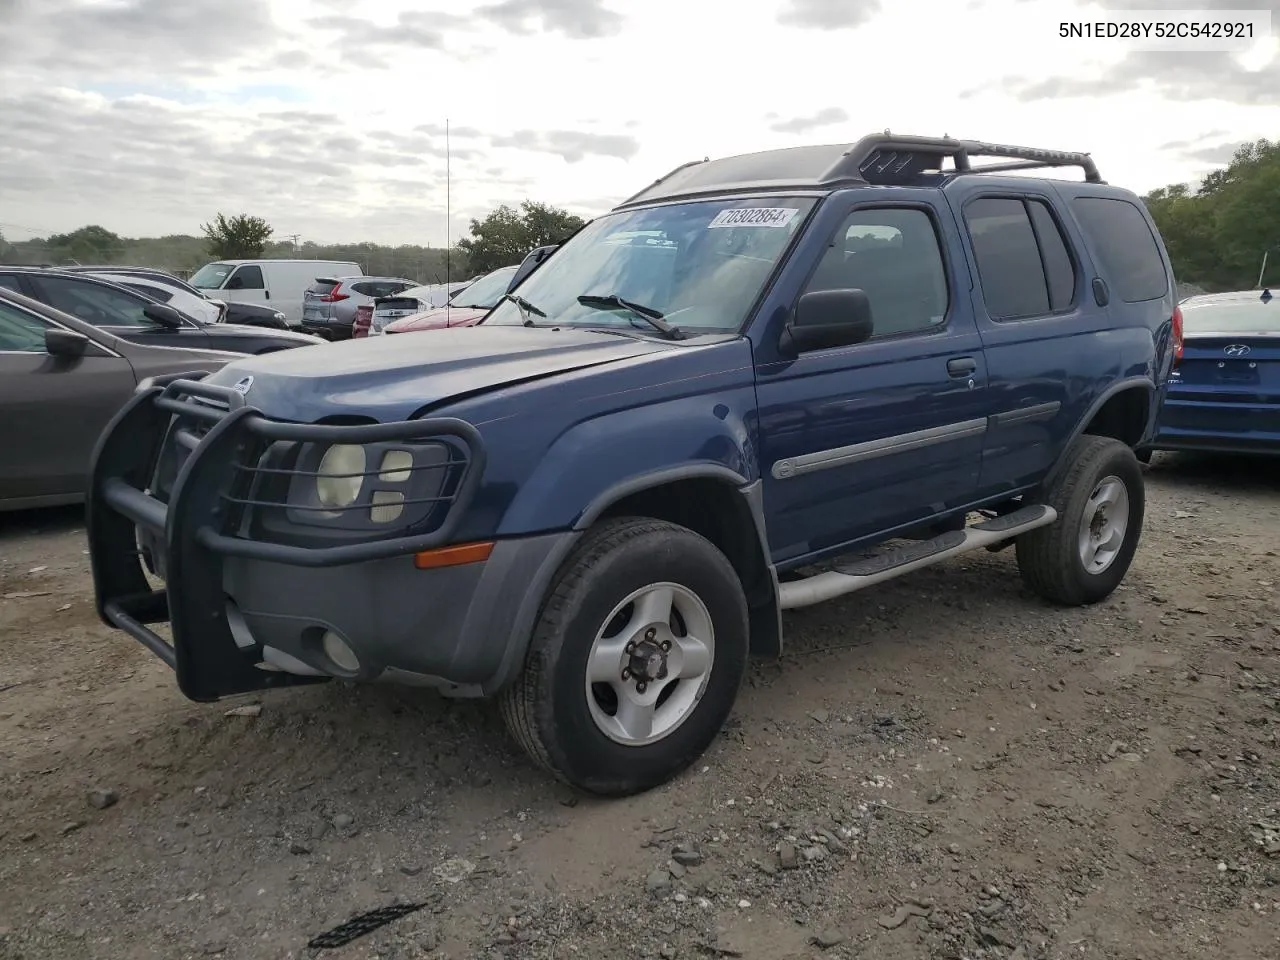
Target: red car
{"type": "Point", "coordinates": [364, 317]}
{"type": "Point", "coordinates": [468, 308]}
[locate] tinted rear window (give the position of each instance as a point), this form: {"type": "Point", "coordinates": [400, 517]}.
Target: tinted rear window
{"type": "Point", "coordinates": [1123, 246]}
{"type": "Point", "coordinates": [321, 287]}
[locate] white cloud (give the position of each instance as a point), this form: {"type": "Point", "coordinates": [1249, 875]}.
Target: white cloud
{"type": "Point", "coordinates": [148, 116]}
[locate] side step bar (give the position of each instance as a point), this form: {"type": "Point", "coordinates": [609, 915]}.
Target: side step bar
{"type": "Point", "coordinates": [859, 574]}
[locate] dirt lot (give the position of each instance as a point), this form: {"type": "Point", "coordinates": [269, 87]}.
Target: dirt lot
{"type": "Point", "coordinates": [943, 767]}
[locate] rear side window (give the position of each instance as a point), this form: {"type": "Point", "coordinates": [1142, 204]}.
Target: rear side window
{"type": "Point", "coordinates": [1024, 264]}
{"type": "Point", "coordinates": [155, 293]}
{"type": "Point", "coordinates": [1124, 247]}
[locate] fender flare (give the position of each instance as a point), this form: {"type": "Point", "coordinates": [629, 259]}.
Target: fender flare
{"type": "Point", "coordinates": [1128, 383]}
{"type": "Point", "coordinates": [765, 610]}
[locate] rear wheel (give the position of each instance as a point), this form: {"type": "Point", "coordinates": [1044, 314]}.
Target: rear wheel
{"type": "Point", "coordinates": [636, 659]}
{"type": "Point", "coordinates": [1082, 557]}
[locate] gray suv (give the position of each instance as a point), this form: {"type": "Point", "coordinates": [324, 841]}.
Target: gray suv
{"type": "Point", "coordinates": [329, 304]}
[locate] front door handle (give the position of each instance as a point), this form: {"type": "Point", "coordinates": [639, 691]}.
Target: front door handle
{"type": "Point", "coordinates": [962, 367]}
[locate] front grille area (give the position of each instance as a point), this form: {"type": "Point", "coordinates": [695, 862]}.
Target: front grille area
{"type": "Point", "coordinates": [273, 478]}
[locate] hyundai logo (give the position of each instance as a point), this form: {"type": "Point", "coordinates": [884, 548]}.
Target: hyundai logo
{"type": "Point", "coordinates": [244, 383]}
{"type": "Point", "coordinates": [1236, 350]}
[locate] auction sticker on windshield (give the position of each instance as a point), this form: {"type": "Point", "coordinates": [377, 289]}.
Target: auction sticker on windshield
{"type": "Point", "coordinates": [754, 217]}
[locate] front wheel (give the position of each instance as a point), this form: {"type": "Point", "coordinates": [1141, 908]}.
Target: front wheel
{"type": "Point", "coordinates": [636, 659]}
{"type": "Point", "coordinates": [1082, 557]}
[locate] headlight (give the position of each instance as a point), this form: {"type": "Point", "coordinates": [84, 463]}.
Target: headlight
{"type": "Point", "coordinates": [334, 486]}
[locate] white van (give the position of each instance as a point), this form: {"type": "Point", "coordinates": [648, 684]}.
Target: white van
{"type": "Point", "coordinates": [275, 283]}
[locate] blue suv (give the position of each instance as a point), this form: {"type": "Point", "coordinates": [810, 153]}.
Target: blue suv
{"type": "Point", "coordinates": [760, 383]}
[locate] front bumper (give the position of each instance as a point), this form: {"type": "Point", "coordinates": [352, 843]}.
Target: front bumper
{"type": "Point", "coordinates": [248, 593]}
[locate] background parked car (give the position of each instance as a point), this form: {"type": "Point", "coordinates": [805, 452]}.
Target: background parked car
{"type": "Point", "coordinates": [1224, 390]}
{"type": "Point", "coordinates": [134, 316]}
{"type": "Point", "coordinates": [254, 314]}
{"type": "Point", "coordinates": [329, 304]}
{"type": "Point", "coordinates": [467, 307]}
{"type": "Point", "coordinates": [61, 380]}
{"type": "Point", "coordinates": [150, 273]}
{"type": "Point", "coordinates": [203, 309]}
{"type": "Point", "coordinates": [411, 301]}
{"type": "Point", "coordinates": [274, 283]}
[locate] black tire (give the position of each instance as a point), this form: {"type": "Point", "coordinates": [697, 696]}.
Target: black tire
{"type": "Point", "coordinates": [546, 709]}
{"type": "Point", "coordinates": [1049, 558]}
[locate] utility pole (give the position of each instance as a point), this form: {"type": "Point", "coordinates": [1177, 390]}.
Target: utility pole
{"type": "Point", "coordinates": [448, 205]}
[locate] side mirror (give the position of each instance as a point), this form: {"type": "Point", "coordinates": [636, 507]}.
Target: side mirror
{"type": "Point", "coordinates": [828, 318]}
{"type": "Point", "coordinates": [65, 343]}
{"type": "Point", "coordinates": [163, 314]}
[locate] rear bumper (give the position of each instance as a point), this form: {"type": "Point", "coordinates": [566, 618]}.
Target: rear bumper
{"type": "Point", "coordinates": [247, 610]}
{"type": "Point", "coordinates": [1190, 424]}
{"type": "Point", "coordinates": [329, 329]}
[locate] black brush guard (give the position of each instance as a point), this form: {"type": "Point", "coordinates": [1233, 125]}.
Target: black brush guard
{"type": "Point", "coordinates": [197, 527]}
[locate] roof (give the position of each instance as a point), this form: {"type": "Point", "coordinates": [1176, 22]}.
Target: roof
{"type": "Point", "coordinates": [279, 260]}
{"type": "Point", "coordinates": [876, 159]}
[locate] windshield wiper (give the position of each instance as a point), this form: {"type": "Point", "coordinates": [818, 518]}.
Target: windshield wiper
{"type": "Point", "coordinates": [525, 307]}
{"type": "Point", "coordinates": [648, 314]}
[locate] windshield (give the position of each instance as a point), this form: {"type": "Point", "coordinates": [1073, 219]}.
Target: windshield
{"type": "Point", "coordinates": [211, 276]}
{"type": "Point", "coordinates": [700, 264]}
{"type": "Point", "coordinates": [486, 291]}
{"type": "Point", "coordinates": [1247, 316]}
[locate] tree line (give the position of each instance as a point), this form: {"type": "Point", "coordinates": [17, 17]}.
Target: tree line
{"type": "Point", "coordinates": [500, 239]}
{"type": "Point", "coordinates": [1217, 233]}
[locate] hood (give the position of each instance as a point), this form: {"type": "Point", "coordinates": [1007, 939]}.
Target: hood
{"type": "Point", "coordinates": [391, 379]}
{"type": "Point", "coordinates": [216, 330]}
{"type": "Point", "coordinates": [437, 319]}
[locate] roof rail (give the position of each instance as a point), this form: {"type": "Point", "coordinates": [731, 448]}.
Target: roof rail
{"type": "Point", "coordinates": [885, 158]}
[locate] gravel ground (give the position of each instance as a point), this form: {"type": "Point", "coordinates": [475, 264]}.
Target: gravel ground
{"type": "Point", "coordinates": [943, 767]}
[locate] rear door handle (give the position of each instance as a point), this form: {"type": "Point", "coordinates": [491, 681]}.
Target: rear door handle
{"type": "Point", "coordinates": [962, 367]}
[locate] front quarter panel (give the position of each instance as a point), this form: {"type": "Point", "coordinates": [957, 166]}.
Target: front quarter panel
{"type": "Point", "coordinates": [571, 450]}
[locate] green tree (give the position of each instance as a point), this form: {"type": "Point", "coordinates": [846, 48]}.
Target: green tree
{"type": "Point", "coordinates": [1217, 234]}
{"type": "Point", "coordinates": [91, 244]}
{"type": "Point", "coordinates": [506, 235]}
{"type": "Point", "coordinates": [241, 237]}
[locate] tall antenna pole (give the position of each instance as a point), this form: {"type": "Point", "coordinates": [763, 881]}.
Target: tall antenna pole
{"type": "Point", "coordinates": [448, 207]}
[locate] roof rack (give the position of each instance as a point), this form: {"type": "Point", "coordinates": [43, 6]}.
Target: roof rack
{"type": "Point", "coordinates": [881, 158]}
{"type": "Point", "coordinates": [885, 158]}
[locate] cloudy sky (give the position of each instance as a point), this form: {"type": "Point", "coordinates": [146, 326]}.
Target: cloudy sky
{"type": "Point", "coordinates": [327, 116]}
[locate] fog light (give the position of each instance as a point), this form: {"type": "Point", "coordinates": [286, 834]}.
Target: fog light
{"type": "Point", "coordinates": [336, 649]}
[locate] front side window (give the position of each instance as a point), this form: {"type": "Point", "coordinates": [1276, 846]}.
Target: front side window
{"type": "Point", "coordinates": [700, 264]}
{"type": "Point", "coordinates": [155, 293]}
{"type": "Point", "coordinates": [893, 255]}
{"type": "Point", "coordinates": [20, 332]}
{"type": "Point", "coordinates": [246, 278]}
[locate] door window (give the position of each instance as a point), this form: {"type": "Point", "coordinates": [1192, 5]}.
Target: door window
{"type": "Point", "coordinates": [246, 278]}
{"type": "Point", "coordinates": [1024, 263]}
{"type": "Point", "coordinates": [20, 332]}
{"type": "Point", "coordinates": [893, 255]}
{"type": "Point", "coordinates": [94, 303]}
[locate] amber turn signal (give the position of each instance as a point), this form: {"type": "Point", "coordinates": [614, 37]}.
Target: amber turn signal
{"type": "Point", "coordinates": [452, 556]}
